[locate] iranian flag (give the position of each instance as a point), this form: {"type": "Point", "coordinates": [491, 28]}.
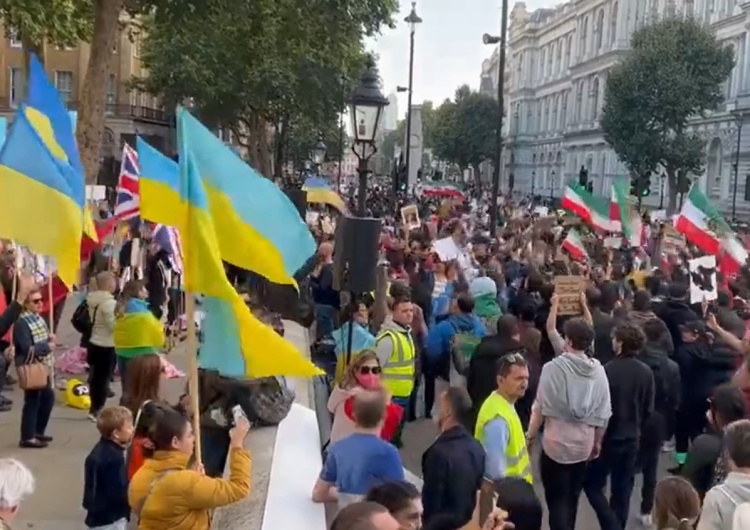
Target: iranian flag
{"type": "Point", "coordinates": [699, 222]}
{"type": "Point", "coordinates": [624, 214]}
{"type": "Point", "coordinates": [574, 245]}
{"type": "Point", "coordinates": [733, 256]}
{"type": "Point", "coordinates": [593, 210]}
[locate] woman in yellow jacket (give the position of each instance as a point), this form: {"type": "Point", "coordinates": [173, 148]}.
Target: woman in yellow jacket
{"type": "Point", "coordinates": [166, 494]}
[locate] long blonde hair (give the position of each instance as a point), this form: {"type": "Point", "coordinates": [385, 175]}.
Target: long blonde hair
{"type": "Point", "coordinates": [132, 289]}
{"type": "Point", "coordinates": [349, 379]}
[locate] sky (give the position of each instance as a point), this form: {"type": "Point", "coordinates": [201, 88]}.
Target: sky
{"type": "Point", "coordinates": [448, 49]}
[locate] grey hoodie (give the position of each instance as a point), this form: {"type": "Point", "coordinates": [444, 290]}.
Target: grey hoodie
{"type": "Point", "coordinates": [722, 500]}
{"type": "Point", "coordinates": [574, 387]}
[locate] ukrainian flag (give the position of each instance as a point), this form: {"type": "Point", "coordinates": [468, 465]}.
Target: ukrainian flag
{"type": "Point", "coordinates": [258, 350]}
{"type": "Point", "coordinates": [42, 202]}
{"type": "Point", "coordinates": [137, 331]}
{"type": "Point", "coordinates": [257, 226]}
{"type": "Point", "coordinates": [319, 191]}
{"type": "Point", "coordinates": [160, 199]}
{"type": "Point", "coordinates": [53, 123]}
{"type": "Point", "coordinates": [362, 340]}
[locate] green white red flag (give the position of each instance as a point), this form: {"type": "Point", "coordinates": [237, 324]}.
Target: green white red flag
{"type": "Point", "coordinates": [624, 214]}
{"type": "Point", "coordinates": [573, 244]}
{"type": "Point", "coordinates": [593, 210]}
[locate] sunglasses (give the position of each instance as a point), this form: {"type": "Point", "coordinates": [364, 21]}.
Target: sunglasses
{"type": "Point", "coordinates": [514, 358]}
{"type": "Point", "coordinates": [367, 370]}
{"type": "Point", "coordinates": [36, 301]}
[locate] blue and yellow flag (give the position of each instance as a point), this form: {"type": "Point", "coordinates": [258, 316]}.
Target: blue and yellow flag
{"type": "Point", "coordinates": [53, 124]}
{"type": "Point", "coordinates": [319, 191]}
{"type": "Point", "coordinates": [181, 201]}
{"type": "Point", "coordinates": [257, 226]}
{"type": "Point", "coordinates": [137, 331]}
{"type": "Point", "coordinates": [41, 206]}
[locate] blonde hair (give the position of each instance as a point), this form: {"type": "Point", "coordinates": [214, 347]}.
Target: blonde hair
{"type": "Point", "coordinates": [349, 379]}
{"type": "Point", "coordinates": [102, 280]}
{"type": "Point", "coordinates": [111, 419]}
{"type": "Point", "coordinates": [131, 290]}
{"type": "Point", "coordinates": [16, 482]}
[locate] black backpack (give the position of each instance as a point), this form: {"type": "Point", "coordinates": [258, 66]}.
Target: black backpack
{"type": "Point", "coordinates": [83, 323]}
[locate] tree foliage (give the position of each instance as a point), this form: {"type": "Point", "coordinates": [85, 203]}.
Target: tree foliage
{"type": "Point", "coordinates": [62, 23]}
{"type": "Point", "coordinates": [673, 73]}
{"type": "Point", "coordinates": [247, 63]}
{"type": "Point", "coordinates": [465, 129]}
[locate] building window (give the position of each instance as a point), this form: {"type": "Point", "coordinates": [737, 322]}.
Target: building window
{"type": "Point", "coordinates": [16, 88]}
{"type": "Point", "coordinates": [550, 70]}
{"type": "Point", "coordinates": [542, 63]}
{"type": "Point", "coordinates": [579, 102]}
{"type": "Point", "coordinates": [111, 94]}
{"type": "Point", "coordinates": [137, 46]}
{"type": "Point", "coordinates": [613, 24]}
{"type": "Point", "coordinates": [595, 99]}
{"type": "Point", "coordinates": [584, 34]}
{"type": "Point", "coordinates": [564, 112]}
{"type": "Point", "coordinates": [64, 85]}
{"type": "Point", "coordinates": [558, 65]}
{"type": "Point", "coordinates": [14, 38]}
{"type": "Point", "coordinates": [599, 29]}
{"type": "Point", "coordinates": [554, 113]}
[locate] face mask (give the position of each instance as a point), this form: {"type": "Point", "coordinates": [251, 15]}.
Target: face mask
{"type": "Point", "coordinates": [368, 381]}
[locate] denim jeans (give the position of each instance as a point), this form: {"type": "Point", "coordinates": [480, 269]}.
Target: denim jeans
{"type": "Point", "coordinates": [562, 489]}
{"type": "Point", "coordinates": [325, 320]}
{"type": "Point", "coordinates": [617, 461]}
{"type": "Point", "coordinates": [122, 524]}
{"type": "Point", "coordinates": [37, 408]}
{"type": "Point", "coordinates": [215, 448]}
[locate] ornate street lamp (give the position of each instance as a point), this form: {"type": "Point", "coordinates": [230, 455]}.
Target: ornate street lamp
{"type": "Point", "coordinates": [318, 153]}
{"type": "Point", "coordinates": [365, 110]}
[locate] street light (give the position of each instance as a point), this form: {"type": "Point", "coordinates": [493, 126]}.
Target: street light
{"type": "Point", "coordinates": [413, 19]}
{"type": "Point", "coordinates": [318, 153]}
{"type": "Point", "coordinates": [503, 39]}
{"type": "Point", "coordinates": [365, 109]}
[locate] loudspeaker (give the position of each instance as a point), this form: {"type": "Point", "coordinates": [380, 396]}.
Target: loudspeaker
{"type": "Point", "coordinates": [355, 256]}
{"type": "Point", "coordinates": [299, 198]}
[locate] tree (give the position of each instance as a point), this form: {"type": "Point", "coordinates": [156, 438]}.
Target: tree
{"type": "Point", "coordinates": [62, 23]}
{"type": "Point", "coordinates": [250, 63]}
{"type": "Point", "coordinates": [673, 73]}
{"type": "Point", "coordinates": [465, 129]}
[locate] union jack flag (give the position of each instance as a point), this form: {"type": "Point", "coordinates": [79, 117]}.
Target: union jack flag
{"type": "Point", "coordinates": [169, 239]}
{"type": "Point", "coordinates": [127, 204]}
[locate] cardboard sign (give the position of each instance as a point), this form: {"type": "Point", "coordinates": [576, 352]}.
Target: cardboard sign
{"type": "Point", "coordinates": [410, 217]}
{"type": "Point", "coordinates": [703, 279]}
{"type": "Point", "coordinates": [568, 290]}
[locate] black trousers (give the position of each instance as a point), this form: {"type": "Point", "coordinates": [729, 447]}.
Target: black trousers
{"type": "Point", "coordinates": [215, 445]}
{"type": "Point", "coordinates": [37, 408]}
{"type": "Point", "coordinates": [101, 361]}
{"type": "Point", "coordinates": [432, 370]}
{"type": "Point", "coordinates": [562, 489]}
{"type": "Point", "coordinates": [618, 461]}
{"type": "Point", "coordinates": [691, 422]}
{"type": "Point", "coordinates": [648, 464]}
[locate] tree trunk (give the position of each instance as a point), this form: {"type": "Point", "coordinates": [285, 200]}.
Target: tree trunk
{"type": "Point", "coordinates": [478, 178]}
{"type": "Point", "coordinates": [672, 181]}
{"type": "Point", "coordinates": [93, 97]}
{"type": "Point", "coordinates": [264, 149]}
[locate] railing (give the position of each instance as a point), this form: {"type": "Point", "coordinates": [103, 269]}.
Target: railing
{"type": "Point", "coordinates": [113, 110]}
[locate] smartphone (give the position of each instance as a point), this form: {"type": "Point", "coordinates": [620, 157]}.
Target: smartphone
{"type": "Point", "coordinates": [237, 413]}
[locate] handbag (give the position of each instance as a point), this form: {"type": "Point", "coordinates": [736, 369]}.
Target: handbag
{"type": "Point", "coordinates": [32, 375]}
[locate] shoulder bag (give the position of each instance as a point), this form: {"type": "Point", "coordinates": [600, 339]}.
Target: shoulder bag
{"type": "Point", "coordinates": [32, 374]}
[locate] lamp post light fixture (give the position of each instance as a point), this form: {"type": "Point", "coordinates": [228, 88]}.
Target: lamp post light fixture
{"type": "Point", "coordinates": [413, 19]}
{"type": "Point", "coordinates": [318, 153]}
{"type": "Point", "coordinates": [365, 110]}
{"type": "Point", "coordinates": [488, 39]}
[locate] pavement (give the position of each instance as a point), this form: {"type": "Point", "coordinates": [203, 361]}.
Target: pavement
{"type": "Point", "coordinates": [419, 435]}
{"type": "Point", "coordinates": [58, 469]}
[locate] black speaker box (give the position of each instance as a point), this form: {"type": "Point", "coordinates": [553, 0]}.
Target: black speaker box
{"type": "Point", "coordinates": [299, 198]}
{"type": "Point", "coordinates": [355, 255]}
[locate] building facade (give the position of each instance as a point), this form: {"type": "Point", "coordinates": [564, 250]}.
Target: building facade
{"type": "Point", "coordinates": [128, 112]}
{"type": "Point", "coordinates": [559, 59]}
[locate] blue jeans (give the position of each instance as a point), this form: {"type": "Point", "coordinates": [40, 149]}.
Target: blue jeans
{"type": "Point", "coordinates": [37, 408]}
{"type": "Point", "coordinates": [325, 320]}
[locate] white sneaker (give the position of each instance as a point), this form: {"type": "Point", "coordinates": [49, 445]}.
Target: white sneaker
{"type": "Point", "coordinates": [646, 520]}
{"type": "Point", "coordinates": [668, 446]}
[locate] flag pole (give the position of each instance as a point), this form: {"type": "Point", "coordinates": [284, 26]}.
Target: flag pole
{"type": "Point", "coordinates": [192, 348]}
{"type": "Point", "coordinates": [51, 302]}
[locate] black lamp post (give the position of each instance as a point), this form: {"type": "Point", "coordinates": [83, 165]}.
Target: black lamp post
{"type": "Point", "coordinates": [738, 118]}
{"type": "Point", "coordinates": [552, 186]}
{"type": "Point", "coordinates": [413, 19]}
{"type": "Point", "coordinates": [661, 190]}
{"type": "Point", "coordinates": [533, 178]}
{"type": "Point", "coordinates": [318, 154]}
{"type": "Point", "coordinates": [366, 109]}
{"type": "Point", "coordinates": [503, 39]}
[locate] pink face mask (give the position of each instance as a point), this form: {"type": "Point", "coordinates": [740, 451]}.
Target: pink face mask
{"type": "Point", "coordinates": [368, 381]}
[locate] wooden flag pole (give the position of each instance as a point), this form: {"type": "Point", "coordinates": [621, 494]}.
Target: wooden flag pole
{"type": "Point", "coordinates": [192, 348]}
{"type": "Point", "coordinates": [51, 304]}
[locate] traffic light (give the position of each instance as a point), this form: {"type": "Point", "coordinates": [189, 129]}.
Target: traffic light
{"type": "Point", "coordinates": [646, 184]}
{"type": "Point", "coordinates": [640, 185]}
{"type": "Point", "coordinates": [634, 185]}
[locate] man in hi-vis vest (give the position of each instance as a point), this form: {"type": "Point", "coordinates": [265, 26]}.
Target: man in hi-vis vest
{"type": "Point", "coordinates": [396, 352]}
{"type": "Point", "coordinates": [499, 428]}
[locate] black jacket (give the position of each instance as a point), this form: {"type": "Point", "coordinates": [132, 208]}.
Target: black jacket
{"type": "Point", "coordinates": [668, 390]}
{"type": "Point", "coordinates": [675, 313]}
{"type": "Point", "coordinates": [603, 325]}
{"type": "Point", "coordinates": [452, 470]}
{"type": "Point", "coordinates": [23, 342]}
{"type": "Point", "coordinates": [105, 485]}
{"type": "Point", "coordinates": [631, 390]}
{"type": "Point", "coordinates": [703, 367]}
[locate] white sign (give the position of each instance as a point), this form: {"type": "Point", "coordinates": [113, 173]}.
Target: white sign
{"type": "Point", "coordinates": [446, 249]}
{"type": "Point", "coordinates": [96, 193]}
{"type": "Point", "coordinates": [703, 279]}
{"type": "Point", "coordinates": [541, 211]}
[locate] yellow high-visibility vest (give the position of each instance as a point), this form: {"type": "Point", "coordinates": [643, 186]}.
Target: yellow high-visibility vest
{"type": "Point", "coordinates": [517, 462]}
{"type": "Point", "coordinates": [398, 373]}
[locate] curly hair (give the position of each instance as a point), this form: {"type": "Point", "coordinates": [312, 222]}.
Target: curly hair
{"type": "Point", "coordinates": [630, 337]}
